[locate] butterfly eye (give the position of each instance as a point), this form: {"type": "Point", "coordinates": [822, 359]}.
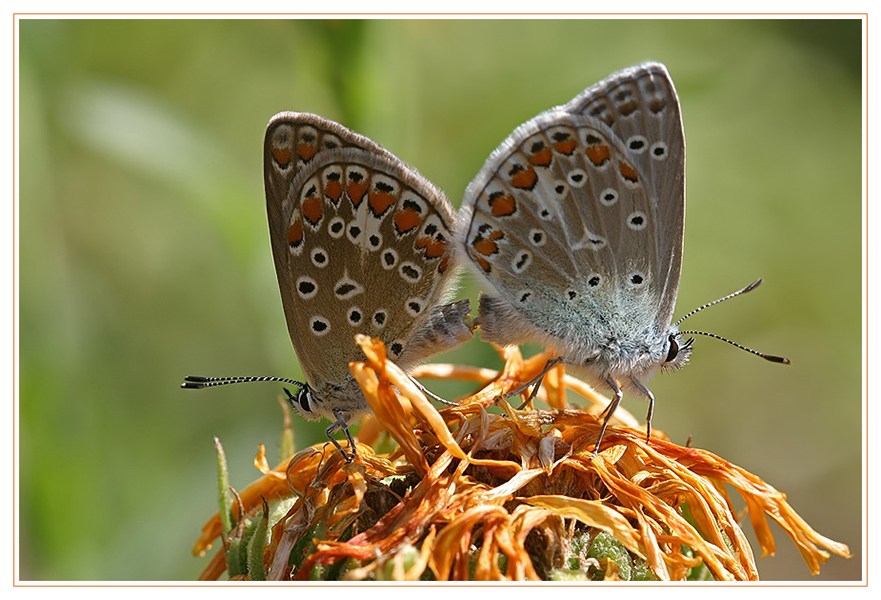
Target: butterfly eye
{"type": "Point", "coordinates": [303, 398]}
{"type": "Point", "coordinates": [674, 349]}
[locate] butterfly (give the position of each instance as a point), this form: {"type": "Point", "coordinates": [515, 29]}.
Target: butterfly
{"type": "Point", "coordinates": [362, 243]}
{"type": "Point", "coordinates": [576, 222]}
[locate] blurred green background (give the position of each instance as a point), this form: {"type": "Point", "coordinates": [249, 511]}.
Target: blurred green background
{"type": "Point", "coordinates": [145, 255]}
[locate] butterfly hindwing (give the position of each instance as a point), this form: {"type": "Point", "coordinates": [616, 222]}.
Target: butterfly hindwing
{"type": "Point", "coordinates": [576, 220]}
{"type": "Point", "coordinates": [361, 244]}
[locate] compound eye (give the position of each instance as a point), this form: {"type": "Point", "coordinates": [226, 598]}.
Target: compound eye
{"type": "Point", "coordinates": [304, 397]}
{"type": "Point", "coordinates": [674, 349]}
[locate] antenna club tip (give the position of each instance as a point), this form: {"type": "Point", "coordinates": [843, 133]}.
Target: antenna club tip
{"type": "Point", "coordinates": [187, 385]}
{"type": "Point", "coordinates": [753, 285]}
{"type": "Point", "coordinates": [778, 359]}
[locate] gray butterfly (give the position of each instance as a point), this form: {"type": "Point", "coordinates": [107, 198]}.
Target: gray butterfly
{"type": "Point", "coordinates": [362, 243]}
{"type": "Point", "coordinates": [577, 221]}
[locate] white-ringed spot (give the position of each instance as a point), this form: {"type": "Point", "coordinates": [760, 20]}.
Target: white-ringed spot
{"type": "Point", "coordinates": [658, 151]}
{"type": "Point", "coordinates": [414, 306]}
{"type": "Point", "coordinates": [319, 257]}
{"type": "Point", "coordinates": [561, 188]}
{"type": "Point", "coordinates": [538, 237]}
{"type": "Point", "coordinates": [522, 261]}
{"type": "Point", "coordinates": [355, 316]}
{"type": "Point", "coordinates": [346, 288]}
{"type": "Point", "coordinates": [594, 280]}
{"type": "Point", "coordinates": [353, 232]}
{"type": "Point", "coordinates": [379, 318]}
{"type": "Point", "coordinates": [389, 259]}
{"type": "Point", "coordinates": [306, 287]}
{"type": "Point", "coordinates": [319, 325]}
{"type": "Point", "coordinates": [576, 178]}
{"type": "Point", "coordinates": [374, 241]}
{"type": "Point", "coordinates": [410, 272]}
{"type": "Point", "coordinates": [637, 221]}
{"type": "Point", "coordinates": [636, 279]}
{"type": "Point", "coordinates": [336, 227]}
{"type": "Point", "coordinates": [637, 144]}
{"type": "Point", "coordinates": [397, 348]}
{"type": "Point", "coordinates": [608, 197]}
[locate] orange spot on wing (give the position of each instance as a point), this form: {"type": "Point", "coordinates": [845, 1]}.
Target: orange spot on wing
{"type": "Point", "coordinates": [503, 206]}
{"type": "Point", "coordinates": [406, 220]}
{"type": "Point", "coordinates": [565, 147]}
{"type": "Point", "coordinates": [312, 209]}
{"type": "Point", "coordinates": [598, 155]}
{"type": "Point", "coordinates": [380, 202]}
{"type": "Point", "coordinates": [627, 172]}
{"type": "Point", "coordinates": [356, 191]}
{"type": "Point", "coordinates": [333, 190]}
{"type": "Point", "coordinates": [295, 233]}
{"type": "Point", "coordinates": [435, 249]}
{"type": "Point", "coordinates": [444, 264]}
{"type": "Point", "coordinates": [485, 246]}
{"type": "Point", "coordinates": [657, 105]}
{"type": "Point", "coordinates": [542, 158]}
{"type": "Point", "coordinates": [524, 179]}
{"type": "Point", "coordinates": [496, 234]}
{"type": "Point", "coordinates": [484, 264]}
{"type": "Point", "coordinates": [281, 155]}
{"type": "Point", "coordinates": [306, 151]}
{"type": "Point", "coordinates": [627, 108]}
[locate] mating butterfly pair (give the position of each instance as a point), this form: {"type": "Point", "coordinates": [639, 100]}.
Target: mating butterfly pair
{"type": "Point", "coordinates": [576, 221]}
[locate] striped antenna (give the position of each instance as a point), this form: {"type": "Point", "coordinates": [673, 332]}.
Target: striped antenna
{"type": "Point", "coordinates": [194, 382]}
{"type": "Point", "coordinates": [749, 288]}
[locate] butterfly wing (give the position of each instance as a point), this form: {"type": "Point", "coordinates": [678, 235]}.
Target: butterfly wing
{"type": "Point", "coordinates": [641, 107]}
{"type": "Point", "coordinates": [576, 220]}
{"type": "Point", "coordinates": [361, 244]}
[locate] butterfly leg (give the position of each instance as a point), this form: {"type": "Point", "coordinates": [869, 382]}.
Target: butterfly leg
{"type": "Point", "coordinates": [609, 410]}
{"type": "Point", "coordinates": [341, 424]}
{"type": "Point", "coordinates": [431, 394]}
{"type": "Point", "coordinates": [651, 398]}
{"type": "Point", "coordinates": [536, 381]}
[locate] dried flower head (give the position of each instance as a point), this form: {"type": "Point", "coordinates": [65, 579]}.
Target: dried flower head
{"type": "Point", "coordinates": [466, 494]}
